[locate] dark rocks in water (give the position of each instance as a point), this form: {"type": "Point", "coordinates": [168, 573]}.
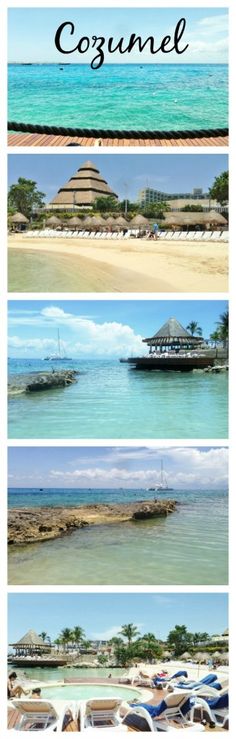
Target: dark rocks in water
{"type": "Point", "coordinates": [29, 525]}
{"type": "Point", "coordinates": [38, 381]}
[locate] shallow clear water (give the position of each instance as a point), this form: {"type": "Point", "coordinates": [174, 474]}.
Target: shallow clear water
{"type": "Point", "coordinates": [111, 400]}
{"type": "Point", "coordinates": [57, 674]}
{"type": "Point", "coordinates": [190, 546]}
{"type": "Point", "coordinates": [151, 96]}
{"type": "Point", "coordinates": [84, 692]}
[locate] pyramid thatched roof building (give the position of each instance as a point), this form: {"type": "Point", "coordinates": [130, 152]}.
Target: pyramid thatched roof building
{"type": "Point", "coordinates": [30, 643]}
{"type": "Point", "coordinates": [173, 334]}
{"type": "Point", "coordinates": [82, 189]}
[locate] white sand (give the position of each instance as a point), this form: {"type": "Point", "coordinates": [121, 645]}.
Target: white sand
{"type": "Point", "coordinates": [163, 265]}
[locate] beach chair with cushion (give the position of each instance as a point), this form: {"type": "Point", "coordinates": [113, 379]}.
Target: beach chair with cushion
{"type": "Point", "coordinates": [160, 680]}
{"type": "Point", "coordinates": [212, 710]}
{"type": "Point", "coordinates": [191, 684]}
{"type": "Point", "coordinates": [174, 707]}
{"type": "Point", "coordinates": [100, 713]}
{"type": "Point", "coordinates": [38, 715]}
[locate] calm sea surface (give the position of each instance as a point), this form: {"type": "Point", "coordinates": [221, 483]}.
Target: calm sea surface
{"type": "Point", "coordinates": [114, 401]}
{"type": "Point", "coordinates": [149, 96]}
{"type": "Point", "coordinates": [188, 547]}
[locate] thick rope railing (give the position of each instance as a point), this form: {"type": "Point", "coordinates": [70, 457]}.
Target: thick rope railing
{"type": "Point", "coordinates": [115, 134]}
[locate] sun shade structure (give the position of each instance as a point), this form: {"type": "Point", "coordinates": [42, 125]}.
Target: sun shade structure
{"type": "Point", "coordinates": [173, 335]}
{"type": "Point", "coordinates": [186, 655]}
{"type": "Point", "coordinates": [210, 218]}
{"type": "Point", "coordinates": [53, 221]}
{"type": "Point", "coordinates": [121, 221]}
{"type": "Point", "coordinates": [82, 189]}
{"type": "Point", "coordinates": [19, 218]}
{"type": "Point", "coordinates": [75, 221]}
{"type": "Point", "coordinates": [30, 643]}
{"type": "Point", "coordinates": [139, 221]}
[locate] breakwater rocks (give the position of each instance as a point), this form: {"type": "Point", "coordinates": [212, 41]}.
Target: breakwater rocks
{"type": "Point", "coordinates": [38, 381]}
{"type": "Point", "coordinates": [29, 525]}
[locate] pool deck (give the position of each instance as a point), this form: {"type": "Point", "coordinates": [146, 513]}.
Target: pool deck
{"type": "Point", "coordinates": [35, 139]}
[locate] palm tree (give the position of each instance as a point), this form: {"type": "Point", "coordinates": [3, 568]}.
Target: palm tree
{"type": "Point", "coordinates": [129, 631]}
{"type": "Point", "coordinates": [78, 635]}
{"type": "Point", "coordinates": [223, 326]}
{"type": "Point", "coordinates": [150, 647]}
{"type": "Point", "coordinates": [43, 635]}
{"type": "Point", "coordinates": [86, 644]}
{"type": "Point", "coordinates": [215, 336]}
{"type": "Point", "coordinates": [66, 637]}
{"type": "Point", "coordinates": [58, 643]}
{"type": "Point", "coordinates": [194, 328]}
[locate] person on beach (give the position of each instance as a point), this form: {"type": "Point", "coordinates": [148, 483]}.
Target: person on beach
{"type": "Point", "coordinates": [14, 691]}
{"type": "Point", "coordinates": [155, 230]}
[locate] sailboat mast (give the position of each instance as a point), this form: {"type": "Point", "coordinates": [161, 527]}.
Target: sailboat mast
{"type": "Point", "coordinates": [161, 471]}
{"type": "Point", "coordinates": [58, 342]}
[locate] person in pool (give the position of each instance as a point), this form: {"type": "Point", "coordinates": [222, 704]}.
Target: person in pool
{"type": "Point", "coordinates": [14, 691]}
{"type": "Point", "coordinates": [36, 693]}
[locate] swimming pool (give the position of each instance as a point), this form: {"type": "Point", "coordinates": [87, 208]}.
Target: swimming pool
{"type": "Point", "coordinates": [85, 691]}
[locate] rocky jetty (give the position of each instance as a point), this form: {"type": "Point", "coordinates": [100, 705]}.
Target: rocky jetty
{"type": "Point", "coordinates": [29, 525]}
{"type": "Point", "coordinates": [37, 381]}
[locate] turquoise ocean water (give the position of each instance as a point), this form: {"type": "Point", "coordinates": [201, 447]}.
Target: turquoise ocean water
{"type": "Point", "coordinates": [114, 401]}
{"type": "Point", "coordinates": [149, 96]}
{"type": "Point", "coordinates": [189, 547]}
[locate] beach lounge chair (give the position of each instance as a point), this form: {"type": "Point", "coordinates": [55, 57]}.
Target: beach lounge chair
{"type": "Point", "coordinates": [190, 235]}
{"type": "Point", "coordinates": [191, 684]}
{"type": "Point", "coordinates": [100, 713]}
{"type": "Point", "coordinates": [215, 236]}
{"type": "Point", "coordinates": [212, 710]}
{"type": "Point", "coordinates": [40, 715]}
{"type": "Point", "coordinates": [174, 707]}
{"type": "Point", "coordinates": [206, 235]}
{"type": "Point", "coordinates": [160, 680]}
{"type": "Point", "coordinates": [224, 236]}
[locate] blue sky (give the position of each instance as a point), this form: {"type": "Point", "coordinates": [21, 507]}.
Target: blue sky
{"type": "Point", "coordinates": [110, 467]}
{"type": "Point", "coordinates": [32, 32]}
{"type": "Point", "coordinates": [102, 615]}
{"type": "Point", "coordinates": [126, 174]}
{"type": "Point", "coordinates": [99, 328]}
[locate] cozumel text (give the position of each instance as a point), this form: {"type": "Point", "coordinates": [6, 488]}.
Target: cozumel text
{"type": "Point", "coordinates": [99, 43]}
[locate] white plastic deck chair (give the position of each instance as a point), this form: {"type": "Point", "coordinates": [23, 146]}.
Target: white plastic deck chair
{"type": "Point", "coordinates": [224, 236]}
{"type": "Point", "coordinates": [215, 236]}
{"type": "Point", "coordinates": [206, 235]}
{"type": "Point", "coordinates": [100, 713]}
{"type": "Point", "coordinates": [35, 715]}
{"type": "Point", "coordinates": [190, 235]}
{"type": "Point", "coordinates": [201, 711]}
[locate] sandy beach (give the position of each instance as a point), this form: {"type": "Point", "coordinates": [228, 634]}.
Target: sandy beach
{"type": "Point", "coordinates": [132, 265]}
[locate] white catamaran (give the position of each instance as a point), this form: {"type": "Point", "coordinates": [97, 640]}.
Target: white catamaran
{"type": "Point", "coordinates": [163, 484]}
{"type": "Point", "coordinates": [59, 356]}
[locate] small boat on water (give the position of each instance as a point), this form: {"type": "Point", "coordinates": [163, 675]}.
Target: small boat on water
{"type": "Point", "coordinates": [161, 486]}
{"type": "Point", "coordinates": [59, 356]}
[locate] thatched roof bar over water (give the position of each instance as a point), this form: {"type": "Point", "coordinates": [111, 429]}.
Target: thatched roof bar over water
{"type": "Point", "coordinates": [30, 639]}
{"type": "Point", "coordinates": [171, 334]}
{"type": "Point", "coordinates": [82, 189]}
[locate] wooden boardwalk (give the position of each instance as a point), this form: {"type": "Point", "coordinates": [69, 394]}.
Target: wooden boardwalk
{"type": "Point", "coordinates": [35, 139]}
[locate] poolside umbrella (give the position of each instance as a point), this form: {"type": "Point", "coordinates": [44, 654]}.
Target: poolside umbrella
{"type": "Point", "coordinates": [186, 655]}
{"type": "Point", "coordinates": [216, 654]}
{"type": "Point", "coordinates": [74, 222]}
{"type": "Point", "coordinates": [53, 221]}
{"type": "Point", "coordinates": [87, 223]}
{"type": "Point", "coordinates": [166, 654]}
{"type": "Point", "coordinates": [121, 222]}
{"type": "Point", "coordinates": [98, 221]}
{"type": "Point", "coordinates": [139, 221]}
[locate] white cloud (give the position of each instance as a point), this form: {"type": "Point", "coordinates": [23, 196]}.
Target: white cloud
{"type": "Point", "coordinates": [89, 338]}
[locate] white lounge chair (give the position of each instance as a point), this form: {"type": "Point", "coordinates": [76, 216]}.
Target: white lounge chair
{"type": "Point", "coordinates": [100, 713]}
{"type": "Point", "coordinates": [41, 715]}
{"type": "Point", "coordinates": [173, 708]}
{"type": "Point", "coordinates": [214, 712]}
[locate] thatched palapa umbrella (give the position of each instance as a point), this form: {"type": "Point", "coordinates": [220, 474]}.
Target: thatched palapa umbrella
{"type": "Point", "coordinates": [121, 222]}
{"type": "Point", "coordinates": [98, 222]}
{"type": "Point", "coordinates": [19, 220]}
{"type": "Point", "coordinates": [53, 221]}
{"type": "Point", "coordinates": [139, 221]}
{"type": "Point", "coordinates": [186, 655]}
{"type": "Point", "coordinates": [75, 222]}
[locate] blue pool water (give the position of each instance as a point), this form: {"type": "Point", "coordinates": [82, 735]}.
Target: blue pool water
{"type": "Point", "coordinates": [151, 96]}
{"type": "Point", "coordinates": [113, 401]}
